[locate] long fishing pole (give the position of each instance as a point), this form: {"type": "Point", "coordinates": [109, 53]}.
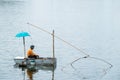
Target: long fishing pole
{"type": "Point", "coordinates": [59, 38]}
{"type": "Point", "coordinates": [86, 55]}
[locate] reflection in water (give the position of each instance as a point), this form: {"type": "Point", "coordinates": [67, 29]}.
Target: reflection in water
{"type": "Point", "coordinates": [31, 70]}
{"type": "Point", "coordinates": [30, 73]}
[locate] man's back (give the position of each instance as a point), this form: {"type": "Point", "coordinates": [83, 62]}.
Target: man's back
{"type": "Point", "coordinates": [30, 52]}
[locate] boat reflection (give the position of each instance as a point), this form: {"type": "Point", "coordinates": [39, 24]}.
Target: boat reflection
{"type": "Point", "coordinates": [31, 70]}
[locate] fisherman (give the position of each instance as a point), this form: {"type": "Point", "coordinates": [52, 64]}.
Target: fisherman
{"type": "Point", "coordinates": [31, 54]}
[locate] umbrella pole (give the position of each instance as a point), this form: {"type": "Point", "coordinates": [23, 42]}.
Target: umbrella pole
{"type": "Point", "coordinates": [53, 45]}
{"type": "Point", "coordinates": [24, 46]}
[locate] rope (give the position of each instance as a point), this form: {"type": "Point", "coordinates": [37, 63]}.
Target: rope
{"type": "Point", "coordinates": [102, 60]}
{"type": "Point", "coordinates": [92, 58]}
{"type": "Point", "coordinates": [77, 60]}
{"type": "Point", "coordinates": [105, 70]}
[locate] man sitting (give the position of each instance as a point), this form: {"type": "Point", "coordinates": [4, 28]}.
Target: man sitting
{"type": "Point", "coordinates": [31, 54]}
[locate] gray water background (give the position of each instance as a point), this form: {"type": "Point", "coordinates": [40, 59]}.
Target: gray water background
{"type": "Point", "coordinates": [91, 25]}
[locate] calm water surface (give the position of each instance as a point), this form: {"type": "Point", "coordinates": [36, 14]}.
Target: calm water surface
{"type": "Point", "coordinates": [91, 25]}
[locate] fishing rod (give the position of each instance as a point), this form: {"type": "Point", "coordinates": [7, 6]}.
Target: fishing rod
{"type": "Point", "coordinates": [86, 55]}
{"type": "Point", "coordinates": [59, 38]}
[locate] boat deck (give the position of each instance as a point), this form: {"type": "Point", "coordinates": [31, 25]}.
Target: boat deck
{"type": "Point", "coordinates": [48, 61]}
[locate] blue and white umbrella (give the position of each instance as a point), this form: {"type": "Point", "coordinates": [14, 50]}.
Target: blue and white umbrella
{"type": "Point", "coordinates": [23, 35]}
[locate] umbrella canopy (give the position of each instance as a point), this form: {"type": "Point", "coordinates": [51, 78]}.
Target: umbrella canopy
{"type": "Point", "coordinates": [22, 34]}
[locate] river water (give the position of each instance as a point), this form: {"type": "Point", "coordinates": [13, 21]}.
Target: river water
{"type": "Point", "coordinates": [91, 25]}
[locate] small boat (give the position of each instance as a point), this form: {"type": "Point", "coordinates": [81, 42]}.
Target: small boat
{"type": "Point", "coordinates": [24, 61]}
{"type": "Point", "coordinates": [39, 64]}
{"type": "Point", "coordinates": [47, 61]}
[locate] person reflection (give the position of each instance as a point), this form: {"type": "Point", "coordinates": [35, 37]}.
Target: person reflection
{"type": "Point", "coordinates": [30, 73]}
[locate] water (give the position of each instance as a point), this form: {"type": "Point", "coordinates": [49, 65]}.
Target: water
{"type": "Point", "coordinates": [92, 25]}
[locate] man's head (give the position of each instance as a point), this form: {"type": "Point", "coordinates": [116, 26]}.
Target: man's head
{"type": "Point", "coordinates": [32, 47]}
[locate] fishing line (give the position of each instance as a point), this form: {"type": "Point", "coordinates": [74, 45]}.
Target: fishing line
{"type": "Point", "coordinates": [92, 58]}
{"type": "Point", "coordinates": [104, 70]}
{"type": "Point", "coordinates": [86, 55]}
{"type": "Point", "coordinates": [102, 60]}
{"type": "Point", "coordinates": [71, 64]}
{"type": "Point", "coordinates": [77, 60]}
